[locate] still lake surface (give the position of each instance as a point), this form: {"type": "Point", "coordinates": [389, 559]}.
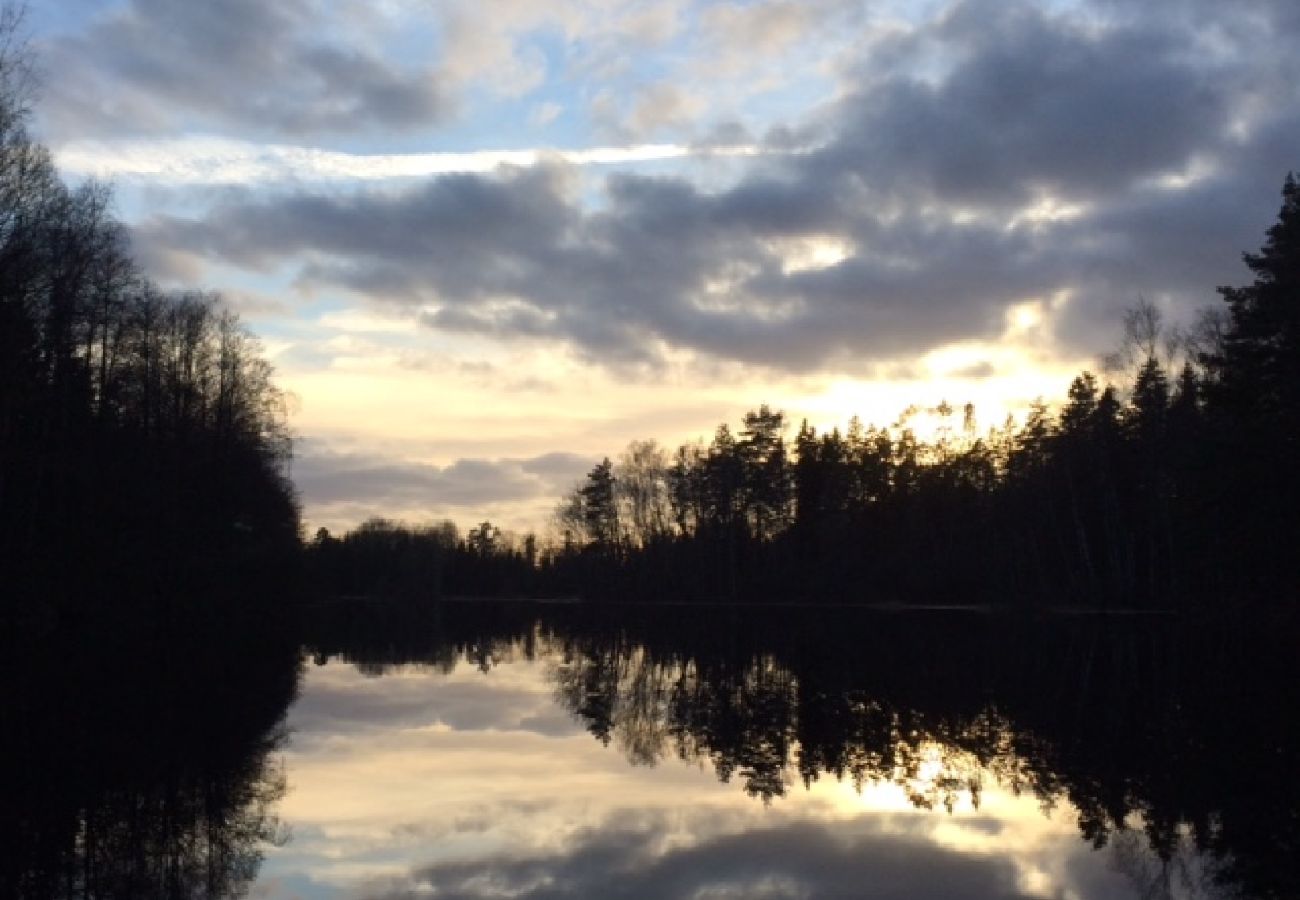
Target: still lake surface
{"type": "Point", "coordinates": [753, 753]}
{"type": "Point", "coordinates": [536, 751]}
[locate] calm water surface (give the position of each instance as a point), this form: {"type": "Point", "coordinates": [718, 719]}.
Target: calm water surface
{"type": "Point", "coordinates": [530, 751]}
{"type": "Point", "coordinates": [714, 759]}
{"type": "Point", "coordinates": [482, 784]}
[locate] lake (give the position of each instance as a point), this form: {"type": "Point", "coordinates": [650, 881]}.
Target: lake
{"type": "Point", "coordinates": [522, 750]}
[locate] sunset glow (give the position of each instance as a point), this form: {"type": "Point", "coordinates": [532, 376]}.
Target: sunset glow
{"type": "Point", "coordinates": [473, 237]}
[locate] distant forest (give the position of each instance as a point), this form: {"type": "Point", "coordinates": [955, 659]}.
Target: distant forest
{"type": "Point", "coordinates": [142, 441]}
{"type": "Point", "coordinates": [1174, 485]}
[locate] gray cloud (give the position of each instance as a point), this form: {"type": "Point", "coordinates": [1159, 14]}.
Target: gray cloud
{"type": "Point", "coordinates": [1036, 103]}
{"type": "Point", "coordinates": [927, 176]}
{"type": "Point", "coordinates": [327, 478]}
{"type": "Point", "coordinates": [1173, 247]}
{"type": "Point", "coordinates": [565, 467]}
{"type": "Point", "coordinates": [798, 860]}
{"type": "Point", "coordinates": [164, 65]}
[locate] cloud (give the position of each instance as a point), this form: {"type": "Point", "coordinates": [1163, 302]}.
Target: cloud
{"type": "Point", "coordinates": [328, 479]}
{"type": "Point", "coordinates": [167, 65]}
{"type": "Point", "coordinates": [789, 861]}
{"type": "Point", "coordinates": [738, 41]}
{"type": "Point", "coordinates": [983, 369]}
{"type": "Point", "coordinates": [223, 161]}
{"type": "Point", "coordinates": [1074, 158]}
{"type": "Point", "coordinates": [1033, 103]}
{"type": "Point", "coordinates": [500, 50]}
{"type": "Point", "coordinates": [545, 113]}
{"type": "Point", "coordinates": [762, 28]}
{"type": "Point", "coordinates": [512, 255]}
{"type": "Point", "coordinates": [365, 708]}
{"type": "Point", "coordinates": [650, 110]}
{"type": "Point", "coordinates": [563, 467]}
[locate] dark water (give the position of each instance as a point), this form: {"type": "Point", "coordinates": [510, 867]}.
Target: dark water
{"type": "Point", "coordinates": [497, 750]}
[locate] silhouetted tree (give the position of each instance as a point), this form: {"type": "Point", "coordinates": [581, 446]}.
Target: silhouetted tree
{"type": "Point", "coordinates": [765, 473]}
{"type": "Point", "coordinates": [1254, 400]}
{"type": "Point", "coordinates": [641, 483]}
{"type": "Point", "coordinates": [141, 433]}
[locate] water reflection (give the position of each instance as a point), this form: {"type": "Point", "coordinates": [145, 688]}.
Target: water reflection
{"type": "Point", "coordinates": [876, 756]}
{"type": "Point", "coordinates": [141, 761]}
{"type": "Point", "coordinates": [846, 858]}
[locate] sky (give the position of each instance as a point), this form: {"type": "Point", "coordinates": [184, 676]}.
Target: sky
{"type": "Point", "coordinates": [486, 244]}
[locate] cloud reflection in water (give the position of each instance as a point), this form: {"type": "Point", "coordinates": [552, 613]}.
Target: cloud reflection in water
{"type": "Point", "coordinates": [447, 781]}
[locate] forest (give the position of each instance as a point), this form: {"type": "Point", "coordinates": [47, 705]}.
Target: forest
{"type": "Point", "coordinates": [148, 531]}
{"type": "Point", "coordinates": [1171, 485]}
{"type": "Point", "coordinates": [143, 442]}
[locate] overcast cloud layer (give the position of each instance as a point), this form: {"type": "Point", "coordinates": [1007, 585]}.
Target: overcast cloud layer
{"type": "Point", "coordinates": [992, 155]}
{"type": "Point", "coordinates": [912, 173]}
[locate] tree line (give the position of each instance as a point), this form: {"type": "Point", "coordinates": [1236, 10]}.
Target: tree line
{"type": "Point", "coordinates": [141, 435]}
{"type": "Point", "coordinates": [392, 560]}
{"type": "Point", "coordinates": [1172, 483]}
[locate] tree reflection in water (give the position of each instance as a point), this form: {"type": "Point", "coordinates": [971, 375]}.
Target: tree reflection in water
{"type": "Point", "coordinates": [142, 763]}
{"type": "Point", "coordinates": [1181, 733]}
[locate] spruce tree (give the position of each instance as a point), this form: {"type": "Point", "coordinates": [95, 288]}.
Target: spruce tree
{"type": "Point", "coordinates": [1258, 368]}
{"type": "Point", "coordinates": [1254, 400]}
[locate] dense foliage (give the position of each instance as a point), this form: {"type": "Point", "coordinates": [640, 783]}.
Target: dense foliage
{"type": "Point", "coordinates": [141, 436]}
{"type": "Point", "coordinates": [391, 560]}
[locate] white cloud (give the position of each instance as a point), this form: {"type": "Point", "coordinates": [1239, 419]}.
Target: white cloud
{"type": "Point", "coordinates": [545, 113]}
{"type": "Point", "coordinates": [214, 160]}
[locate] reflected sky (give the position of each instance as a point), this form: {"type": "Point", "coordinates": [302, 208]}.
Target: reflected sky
{"type": "Point", "coordinates": [425, 782]}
